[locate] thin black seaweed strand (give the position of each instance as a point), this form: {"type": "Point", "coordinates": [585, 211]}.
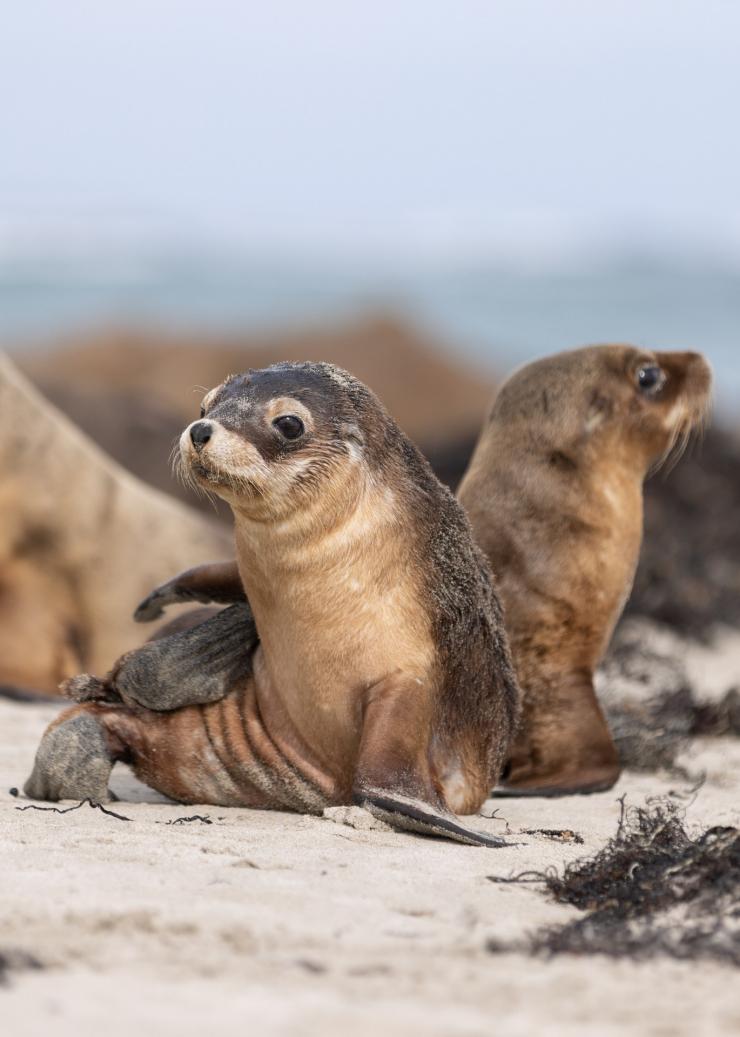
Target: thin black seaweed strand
{"type": "Point", "coordinates": [627, 891]}
{"type": "Point", "coordinates": [203, 818]}
{"type": "Point", "coordinates": [521, 877]}
{"type": "Point", "coordinates": [561, 835]}
{"type": "Point", "coordinates": [82, 803]}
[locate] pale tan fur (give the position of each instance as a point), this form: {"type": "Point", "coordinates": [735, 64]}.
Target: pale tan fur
{"type": "Point", "coordinates": [80, 542]}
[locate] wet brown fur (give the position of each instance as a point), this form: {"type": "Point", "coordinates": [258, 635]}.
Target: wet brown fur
{"type": "Point", "coordinates": [554, 495]}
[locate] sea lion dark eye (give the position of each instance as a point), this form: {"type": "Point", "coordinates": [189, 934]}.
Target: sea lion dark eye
{"type": "Point", "coordinates": [650, 378]}
{"type": "Point", "coordinates": [202, 412]}
{"type": "Point", "coordinates": [289, 426]}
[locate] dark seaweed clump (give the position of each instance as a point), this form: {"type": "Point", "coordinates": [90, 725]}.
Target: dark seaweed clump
{"type": "Point", "coordinates": [647, 698]}
{"type": "Point", "coordinates": [16, 961]}
{"type": "Point", "coordinates": [652, 890]}
{"type": "Point", "coordinates": [689, 571]}
{"type": "Point", "coordinates": [650, 735]}
{"type": "Point", "coordinates": [652, 708]}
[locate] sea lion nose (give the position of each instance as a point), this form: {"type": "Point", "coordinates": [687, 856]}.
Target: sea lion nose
{"type": "Point", "coordinates": [200, 433]}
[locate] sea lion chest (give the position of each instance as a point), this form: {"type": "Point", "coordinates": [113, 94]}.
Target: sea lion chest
{"type": "Point", "coordinates": [334, 619]}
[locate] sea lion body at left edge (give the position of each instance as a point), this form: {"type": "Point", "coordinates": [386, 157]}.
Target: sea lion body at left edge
{"type": "Point", "coordinates": [377, 669]}
{"type": "Point", "coordinates": [80, 540]}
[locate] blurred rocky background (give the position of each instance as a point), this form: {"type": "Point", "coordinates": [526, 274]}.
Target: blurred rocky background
{"type": "Point", "coordinates": [134, 392]}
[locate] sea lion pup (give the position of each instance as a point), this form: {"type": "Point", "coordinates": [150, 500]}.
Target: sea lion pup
{"type": "Point", "coordinates": [380, 674]}
{"type": "Point", "coordinates": [80, 539]}
{"type": "Point", "coordinates": [554, 495]}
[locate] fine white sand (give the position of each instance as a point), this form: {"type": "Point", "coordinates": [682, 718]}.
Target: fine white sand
{"type": "Point", "coordinates": [272, 923]}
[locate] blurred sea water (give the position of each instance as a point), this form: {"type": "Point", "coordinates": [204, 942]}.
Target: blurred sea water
{"type": "Point", "coordinates": [497, 316]}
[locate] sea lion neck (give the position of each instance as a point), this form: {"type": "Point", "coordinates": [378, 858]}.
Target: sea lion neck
{"type": "Point", "coordinates": [299, 554]}
{"type": "Point", "coordinates": [573, 460]}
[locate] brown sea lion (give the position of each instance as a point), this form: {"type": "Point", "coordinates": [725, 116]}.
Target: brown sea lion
{"type": "Point", "coordinates": [554, 495]}
{"type": "Point", "coordinates": [370, 665]}
{"type": "Point", "coordinates": [79, 541]}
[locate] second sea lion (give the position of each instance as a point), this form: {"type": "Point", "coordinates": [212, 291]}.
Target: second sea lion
{"type": "Point", "coordinates": [371, 664]}
{"type": "Point", "coordinates": [554, 495]}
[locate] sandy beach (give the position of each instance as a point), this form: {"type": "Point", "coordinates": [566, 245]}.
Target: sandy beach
{"type": "Point", "coordinates": [167, 918]}
{"type": "Point", "coordinates": [518, 226]}
{"type": "Point", "coordinates": [304, 925]}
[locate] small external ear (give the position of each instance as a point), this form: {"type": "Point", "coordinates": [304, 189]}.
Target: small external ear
{"type": "Point", "coordinates": [600, 407]}
{"type": "Point", "coordinates": [348, 430]}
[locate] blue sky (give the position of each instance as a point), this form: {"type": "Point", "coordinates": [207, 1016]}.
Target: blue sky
{"type": "Point", "coordinates": [414, 125]}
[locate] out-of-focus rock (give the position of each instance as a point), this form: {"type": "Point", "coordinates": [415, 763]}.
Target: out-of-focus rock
{"type": "Point", "coordinates": [132, 392]}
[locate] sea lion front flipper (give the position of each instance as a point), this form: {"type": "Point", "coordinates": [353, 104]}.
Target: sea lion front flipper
{"type": "Point", "coordinates": [392, 779]}
{"type": "Point", "coordinates": [218, 582]}
{"type": "Point", "coordinates": [564, 745]}
{"type": "Point", "coordinates": [189, 668]}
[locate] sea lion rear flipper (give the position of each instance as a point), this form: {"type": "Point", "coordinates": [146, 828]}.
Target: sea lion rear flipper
{"type": "Point", "coordinates": [415, 815]}
{"type": "Point", "coordinates": [392, 779]}
{"type": "Point", "coordinates": [185, 669]}
{"type": "Point", "coordinates": [217, 582]}
{"type": "Point", "coordinates": [74, 760]}
{"type": "Point", "coordinates": [564, 745]}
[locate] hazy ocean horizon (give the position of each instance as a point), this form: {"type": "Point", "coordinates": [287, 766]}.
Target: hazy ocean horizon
{"type": "Point", "coordinates": [497, 316]}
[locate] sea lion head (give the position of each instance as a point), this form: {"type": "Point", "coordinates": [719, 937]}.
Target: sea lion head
{"type": "Point", "coordinates": [268, 440]}
{"type": "Point", "coordinates": [634, 404]}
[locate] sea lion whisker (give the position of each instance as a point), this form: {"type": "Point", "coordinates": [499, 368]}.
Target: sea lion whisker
{"type": "Point", "coordinates": [662, 462]}
{"type": "Point", "coordinates": [188, 480]}
{"type": "Point", "coordinates": [174, 457]}
{"type": "Point", "coordinates": [683, 438]}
